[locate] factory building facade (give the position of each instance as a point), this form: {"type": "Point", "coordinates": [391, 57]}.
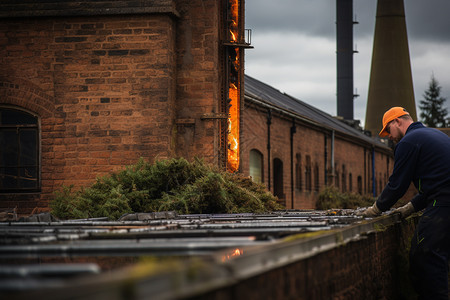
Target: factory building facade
{"type": "Point", "coordinates": [89, 87]}
{"type": "Point", "coordinates": [297, 149]}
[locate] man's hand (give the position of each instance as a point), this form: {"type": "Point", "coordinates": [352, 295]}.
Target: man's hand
{"type": "Point", "coordinates": [405, 210]}
{"type": "Point", "coordinates": [371, 212]}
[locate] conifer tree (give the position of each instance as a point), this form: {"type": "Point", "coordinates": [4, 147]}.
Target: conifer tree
{"type": "Point", "coordinates": [433, 114]}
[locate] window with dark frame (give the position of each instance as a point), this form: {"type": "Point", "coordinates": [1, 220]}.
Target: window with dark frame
{"type": "Point", "coordinates": [308, 175]}
{"type": "Point", "coordinates": [350, 182]}
{"type": "Point", "coordinates": [298, 172]}
{"type": "Point", "coordinates": [19, 153]}
{"type": "Point", "coordinates": [278, 186]}
{"type": "Point", "coordinates": [344, 179]}
{"type": "Point", "coordinates": [256, 166]}
{"type": "Point", "coordinates": [360, 185]}
{"type": "Point", "coordinates": [316, 177]}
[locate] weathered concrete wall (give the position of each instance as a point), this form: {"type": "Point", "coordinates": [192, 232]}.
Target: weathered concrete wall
{"type": "Point", "coordinates": [365, 260]}
{"type": "Point", "coordinates": [372, 267]}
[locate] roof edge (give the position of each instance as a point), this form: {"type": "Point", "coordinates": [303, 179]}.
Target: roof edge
{"type": "Point", "coordinates": [67, 8]}
{"type": "Point", "coordinates": [322, 127]}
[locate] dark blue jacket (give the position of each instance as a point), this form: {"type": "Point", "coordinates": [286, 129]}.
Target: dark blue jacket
{"type": "Point", "coordinates": [423, 157]}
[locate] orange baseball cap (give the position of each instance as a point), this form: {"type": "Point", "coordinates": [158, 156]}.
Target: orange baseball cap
{"type": "Point", "coordinates": [391, 114]}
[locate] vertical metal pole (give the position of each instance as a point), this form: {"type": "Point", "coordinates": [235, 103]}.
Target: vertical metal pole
{"type": "Point", "coordinates": [374, 186]}
{"type": "Point", "coordinates": [333, 171]}
{"type": "Point", "coordinates": [269, 122]}
{"type": "Point", "coordinates": [344, 52]}
{"type": "Point", "coordinates": [293, 131]}
{"type": "Point", "coordinates": [325, 153]}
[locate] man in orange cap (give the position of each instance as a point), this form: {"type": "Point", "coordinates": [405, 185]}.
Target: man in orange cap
{"type": "Point", "coordinates": [422, 156]}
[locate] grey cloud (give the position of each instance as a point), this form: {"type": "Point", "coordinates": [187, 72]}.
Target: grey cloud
{"type": "Point", "coordinates": [312, 17]}
{"type": "Point", "coordinates": [426, 19]}
{"type": "Point", "coordinates": [280, 61]}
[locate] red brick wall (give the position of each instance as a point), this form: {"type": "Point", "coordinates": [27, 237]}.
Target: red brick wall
{"type": "Point", "coordinates": [198, 90]}
{"type": "Point", "coordinates": [111, 89]}
{"type": "Point", "coordinates": [253, 136]}
{"type": "Point", "coordinates": [309, 140]}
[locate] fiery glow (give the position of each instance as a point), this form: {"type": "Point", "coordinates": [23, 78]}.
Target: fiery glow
{"type": "Point", "coordinates": [233, 129]}
{"type": "Point", "coordinates": [233, 91]}
{"type": "Point", "coordinates": [233, 37]}
{"type": "Point", "coordinates": [235, 252]}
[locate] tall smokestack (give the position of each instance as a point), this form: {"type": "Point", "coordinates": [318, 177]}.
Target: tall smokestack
{"type": "Point", "coordinates": [344, 41]}
{"type": "Point", "coordinates": [390, 77]}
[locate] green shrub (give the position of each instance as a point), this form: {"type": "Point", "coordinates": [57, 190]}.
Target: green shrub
{"type": "Point", "coordinates": [167, 185]}
{"type": "Point", "coordinates": [331, 198]}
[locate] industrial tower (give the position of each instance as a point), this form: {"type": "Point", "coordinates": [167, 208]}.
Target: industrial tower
{"type": "Point", "coordinates": [344, 52]}
{"type": "Point", "coordinates": [390, 77]}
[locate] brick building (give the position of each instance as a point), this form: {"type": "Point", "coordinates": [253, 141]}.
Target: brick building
{"type": "Point", "coordinates": [297, 149]}
{"type": "Point", "coordinates": [87, 87]}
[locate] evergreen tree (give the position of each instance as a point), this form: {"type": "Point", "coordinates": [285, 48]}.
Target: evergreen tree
{"type": "Point", "coordinates": [432, 112]}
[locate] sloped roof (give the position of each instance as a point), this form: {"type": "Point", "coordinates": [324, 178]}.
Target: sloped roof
{"type": "Point", "coordinates": [257, 90]}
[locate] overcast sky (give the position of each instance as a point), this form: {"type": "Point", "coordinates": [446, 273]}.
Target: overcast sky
{"type": "Point", "coordinates": [295, 48]}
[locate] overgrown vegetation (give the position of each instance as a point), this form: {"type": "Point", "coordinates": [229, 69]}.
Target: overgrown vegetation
{"type": "Point", "coordinates": [167, 185]}
{"type": "Point", "coordinates": [331, 198]}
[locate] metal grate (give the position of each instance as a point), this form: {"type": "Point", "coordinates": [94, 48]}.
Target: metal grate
{"type": "Point", "coordinates": [46, 254]}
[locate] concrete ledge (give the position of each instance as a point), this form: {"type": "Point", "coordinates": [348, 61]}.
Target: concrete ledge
{"type": "Point", "coordinates": [354, 262]}
{"type": "Point", "coordinates": [261, 259]}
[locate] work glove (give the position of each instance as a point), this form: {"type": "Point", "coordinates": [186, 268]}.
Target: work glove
{"type": "Point", "coordinates": [371, 212]}
{"type": "Point", "coordinates": [405, 210]}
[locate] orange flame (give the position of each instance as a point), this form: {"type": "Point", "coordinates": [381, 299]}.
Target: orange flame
{"type": "Point", "coordinates": [234, 19]}
{"type": "Point", "coordinates": [233, 129]}
{"type": "Point", "coordinates": [235, 252]}
{"type": "Point", "coordinates": [233, 36]}
{"type": "Point", "coordinates": [234, 96]}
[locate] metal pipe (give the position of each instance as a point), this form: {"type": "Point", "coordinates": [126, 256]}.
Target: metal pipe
{"type": "Point", "coordinates": [293, 131]}
{"type": "Point", "coordinates": [344, 51]}
{"type": "Point", "coordinates": [333, 171]}
{"type": "Point", "coordinates": [269, 122]}
{"type": "Point", "coordinates": [325, 153]}
{"type": "Point", "coordinates": [365, 171]}
{"type": "Point", "coordinates": [374, 181]}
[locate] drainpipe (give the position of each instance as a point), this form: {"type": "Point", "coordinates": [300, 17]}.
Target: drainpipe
{"type": "Point", "coordinates": [293, 131]}
{"type": "Point", "coordinates": [325, 152]}
{"type": "Point", "coordinates": [333, 173]}
{"type": "Point", "coordinates": [365, 171]}
{"type": "Point", "coordinates": [269, 121]}
{"type": "Point", "coordinates": [373, 173]}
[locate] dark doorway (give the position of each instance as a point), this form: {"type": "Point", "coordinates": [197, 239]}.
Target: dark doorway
{"type": "Point", "coordinates": [278, 178]}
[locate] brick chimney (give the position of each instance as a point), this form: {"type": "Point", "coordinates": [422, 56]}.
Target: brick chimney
{"type": "Point", "coordinates": [390, 78]}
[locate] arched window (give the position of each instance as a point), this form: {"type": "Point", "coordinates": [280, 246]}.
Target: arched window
{"type": "Point", "coordinates": [256, 166]}
{"type": "Point", "coordinates": [350, 182]}
{"type": "Point", "coordinates": [298, 172]}
{"type": "Point", "coordinates": [316, 177]}
{"type": "Point", "coordinates": [308, 176]}
{"type": "Point", "coordinates": [344, 179]}
{"type": "Point", "coordinates": [360, 185]}
{"type": "Point", "coordinates": [336, 176]}
{"type": "Point", "coordinates": [19, 152]}
{"type": "Point", "coordinates": [278, 189]}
